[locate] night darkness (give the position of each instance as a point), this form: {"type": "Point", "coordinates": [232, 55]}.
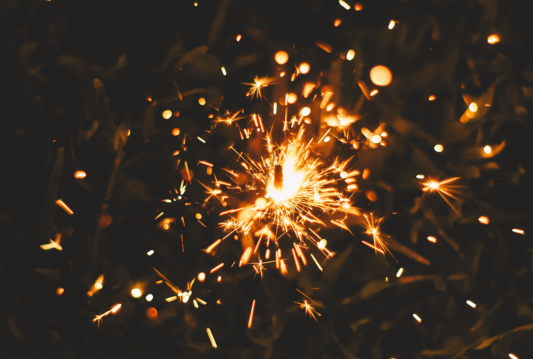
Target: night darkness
{"type": "Point", "coordinates": [110, 106]}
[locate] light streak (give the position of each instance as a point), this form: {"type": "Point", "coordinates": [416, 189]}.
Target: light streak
{"type": "Point", "coordinates": [400, 271]}
{"type": "Point", "coordinates": [113, 310]}
{"type": "Point", "coordinates": [259, 84]}
{"type": "Point", "coordinates": [418, 319]}
{"type": "Point", "coordinates": [211, 338]}
{"type": "Point", "coordinates": [64, 207]}
{"type": "Point", "coordinates": [432, 239]}
{"type": "Point", "coordinates": [344, 5]}
{"type": "Point", "coordinates": [470, 303]}
{"type": "Point", "coordinates": [484, 220]}
{"type": "Point", "coordinates": [316, 262]}
{"type": "Point", "coordinates": [443, 188]}
{"type": "Point", "coordinates": [216, 268]}
{"type": "Point", "coordinates": [250, 320]}
{"type": "Point", "coordinates": [519, 231]}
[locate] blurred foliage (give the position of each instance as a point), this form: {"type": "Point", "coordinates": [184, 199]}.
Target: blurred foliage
{"type": "Point", "coordinates": [75, 80]}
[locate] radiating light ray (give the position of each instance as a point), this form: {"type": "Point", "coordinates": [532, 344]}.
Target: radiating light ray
{"type": "Point", "coordinates": [113, 310]}
{"type": "Point", "coordinates": [259, 84]}
{"type": "Point", "coordinates": [443, 188]}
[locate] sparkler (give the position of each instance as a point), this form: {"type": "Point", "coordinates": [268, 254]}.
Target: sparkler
{"type": "Point", "coordinates": [308, 308]}
{"type": "Point", "coordinates": [443, 188]}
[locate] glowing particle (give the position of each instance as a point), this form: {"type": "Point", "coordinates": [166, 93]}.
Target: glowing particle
{"type": "Point", "coordinates": [198, 216]}
{"type": "Point", "coordinates": [281, 57]}
{"type": "Point", "coordinates": [176, 114]}
{"type": "Point", "coordinates": [167, 114]}
{"type": "Point", "coordinates": [201, 101]}
{"type": "Point", "coordinates": [150, 252]}
{"type": "Point", "coordinates": [219, 279]}
{"type": "Point", "coordinates": [418, 319]}
{"type": "Point", "coordinates": [432, 98]}
{"type": "Point", "coordinates": [512, 356]}
{"type": "Point", "coordinates": [519, 231]}
{"type": "Point", "coordinates": [487, 149]}
{"type": "Point", "coordinates": [306, 111]}
{"type": "Point", "coordinates": [223, 71]}
{"type": "Point", "coordinates": [304, 67]}
{"type": "Point", "coordinates": [201, 276]}
{"type": "Point", "coordinates": [136, 293]}
{"type": "Point", "coordinates": [391, 24]}
{"type": "Point", "coordinates": [60, 291]}
{"type": "Point", "coordinates": [337, 22]}
{"type": "Point", "coordinates": [322, 244]}
{"type": "Point", "coordinates": [344, 174]}
{"type": "Point", "coordinates": [350, 55]}
{"type": "Point", "coordinates": [200, 139]}
{"type": "Point", "coordinates": [292, 98]}
{"type": "Point", "coordinates": [173, 298]}
{"type": "Point", "coordinates": [344, 5]}
{"type": "Point", "coordinates": [374, 92]}
{"type": "Point", "coordinates": [216, 268]}
{"type": "Point", "coordinates": [493, 39]}
{"type": "Point", "coordinates": [275, 108]}
{"type": "Point", "coordinates": [151, 313]}
{"type": "Point", "coordinates": [432, 239]}
{"type": "Point", "coordinates": [473, 107]}
{"type": "Point", "coordinates": [149, 297]}
{"type": "Point", "coordinates": [399, 273]}
{"type": "Point", "coordinates": [330, 107]}
{"type": "Point", "coordinates": [98, 285]}
{"type": "Point", "coordinates": [238, 38]}
{"type": "Point", "coordinates": [250, 320]}
{"type": "Point", "coordinates": [470, 303]}
{"type": "Point", "coordinates": [211, 338]}
{"type": "Point", "coordinates": [358, 7]}
{"type": "Point", "coordinates": [176, 132]}
{"type": "Point", "coordinates": [366, 173]}
{"type": "Point", "coordinates": [327, 139]}
{"type": "Point", "coordinates": [64, 207]}
{"type": "Point", "coordinates": [483, 220]}
{"type": "Point", "coordinates": [420, 176]}
{"type": "Point", "coordinates": [80, 174]}
{"type": "Point", "coordinates": [438, 148]}
{"type": "Point", "coordinates": [376, 139]}
{"type": "Point", "coordinates": [380, 75]}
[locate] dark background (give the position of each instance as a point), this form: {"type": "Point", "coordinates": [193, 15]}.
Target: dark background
{"type": "Point", "coordinates": [50, 54]}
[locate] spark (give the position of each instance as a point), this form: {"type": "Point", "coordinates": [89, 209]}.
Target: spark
{"type": "Point", "coordinates": [251, 315]}
{"type": "Point", "coordinates": [484, 220]}
{"type": "Point", "coordinates": [113, 310]}
{"type": "Point", "coordinates": [400, 271]}
{"type": "Point", "coordinates": [211, 338]}
{"type": "Point", "coordinates": [316, 262]}
{"type": "Point", "coordinates": [418, 319]}
{"type": "Point", "coordinates": [53, 243]}
{"type": "Point", "coordinates": [519, 231]}
{"type": "Point", "coordinates": [512, 356]}
{"type": "Point", "coordinates": [309, 309]}
{"type": "Point", "coordinates": [216, 268]}
{"type": "Point", "coordinates": [344, 5]}
{"type": "Point", "coordinates": [98, 284]}
{"type": "Point", "coordinates": [372, 226]}
{"type": "Point", "coordinates": [443, 188]}
{"type": "Point", "coordinates": [432, 239]}
{"type": "Point", "coordinates": [470, 303]}
{"type": "Point", "coordinates": [259, 84]}
{"type": "Point", "coordinates": [64, 207]}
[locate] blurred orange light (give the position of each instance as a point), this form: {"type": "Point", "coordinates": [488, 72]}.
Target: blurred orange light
{"type": "Point", "coordinates": [281, 57]}
{"type": "Point", "coordinates": [374, 92]}
{"type": "Point", "coordinates": [337, 22]}
{"type": "Point", "coordinates": [380, 75]}
{"type": "Point", "coordinates": [292, 98]}
{"type": "Point", "coordinates": [432, 239]}
{"type": "Point", "coordinates": [493, 39]}
{"type": "Point", "coordinates": [432, 98]}
{"type": "Point", "coordinates": [80, 174]}
{"type": "Point", "coordinates": [176, 132]}
{"type": "Point", "coordinates": [201, 276]}
{"type": "Point", "coordinates": [304, 67]}
{"type": "Point", "coordinates": [176, 114]}
{"type": "Point", "coordinates": [238, 38]}
{"type": "Point", "coordinates": [483, 220]}
{"type": "Point", "coordinates": [358, 7]}
{"type": "Point", "coordinates": [60, 291]}
{"type": "Point", "coordinates": [151, 313]}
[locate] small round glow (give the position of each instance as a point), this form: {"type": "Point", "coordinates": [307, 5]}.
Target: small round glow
{"type": "Point", "coordinates": [306, 111]}
{"type": "Point", "coordinates": [350, 55]}
{"type": "Point", "coordinates": [238, 38]}
{"type": "Point", "coordinates": [149, 297]}
{"type": "Point", "coordinates": [493, 39]}
{"type": "Point", "coordinates": [80, 174]}
{"type": "Point", "coordinates": [167, 114]}
{"type": "Point", "coordinates": [151, 313]}
{"type": "Point", "coordinates": [432, 98]}
{"type": "Point", "coordinates": [438, 148]}
{"type": "Point", "coordinates": [487, 149]}
{"type": "Point", "coordinates": [151, 251]}
{"type": "Point", "coordinates": [176, 114]}
{"type": "Point", "coordinates": [322, 244]}
{"type": "Point", "coordinates": [98, 286]}
{"type": "Point", "coordinates": [327, 139]}
{"type": "Point", "coordinates": [201, 276]}
{"type": "Point", "coordinates": [281, 57]}
{"type": "Point", "coordinates": [176, 132]}
{"type": "Point", "coordinates": [304, 67]}
{"type": "Point", "coordinates": [380, 75]}
{"type": "Point", "coordinates": [198, 216]}
{"type": "Point", "coordinates": [136, 293]}
{"type": "Point", "coordinates": [483, 220]}
{"type": "Point", "coordinates": [358, 7]}
{"type": "Point", "coordinates": [60, 291]}
{"type": "Point", "coordinates": [473, 107]}
{"type": "Point", "coordinates": [219, 279]}
{"type": "Point", "coordinates": [307, 120]}
{"type": "Point", "coordinates": [376, 139]}
{"type": "Point", "coordinates": [391, 24]}
{"type": "Point", "coordinates": [337, 22]}
{"type": "Point", "coordinates": [344, 174]}
{"type": "Point", "coordinates": [201, 101]}
{"type": "Point", "coordinates": [292, 98]}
